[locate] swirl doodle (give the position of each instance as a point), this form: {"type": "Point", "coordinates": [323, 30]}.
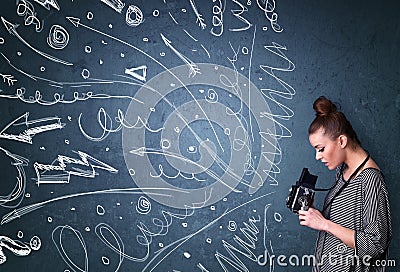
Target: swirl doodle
{"type": "Point", "coordinates": [35, 243]}
{"type": "Point", "coordinates": [58, 37]}
{"type": "Point", "coordinates": [143, 205]}
{"type": "Point", "coordinates": [232, 226]}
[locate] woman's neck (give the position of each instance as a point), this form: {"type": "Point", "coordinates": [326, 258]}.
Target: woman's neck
{"type": "Point", "coordinates": [354, 158]}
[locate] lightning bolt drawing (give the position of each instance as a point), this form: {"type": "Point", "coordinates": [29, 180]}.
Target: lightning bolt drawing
{"type": "Point", "coordinates": [67, 167]}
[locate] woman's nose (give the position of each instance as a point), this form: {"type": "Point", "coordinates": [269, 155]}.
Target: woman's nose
{"type": "Point", "coordinates": [318, 155]}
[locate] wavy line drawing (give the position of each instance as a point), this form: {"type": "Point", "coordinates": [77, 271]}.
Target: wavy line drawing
{"type": "Point", "coordinates": [12, 29]}
{"type": "Point", "coordinates": [76, 22]}
{"type": "Point", "coordinates": [106, 124]}
{"type": "Point", "coordinates": [37, 98]}
{"type": "Point", "coordinates": [26, 9]}
{"type": "Point", "coordinates": [167, 250]}
{"type": "Point", "coordinates": [218, 18]}
{"type": "Point", "coordinates": [100, 230]}
{"type": "Point", "coordinates": [60, 98]}
{"type": "Point", "coordinates": [145, 151]}
{"type": "Point", "coordinates": [238, 14]}
{"type": "Point", "coordinates": [270, 14]}
{"type": "Point", "coordinates": [159, 228]}
{"type": "Point", "coordinates": [241, 247]}
{"type": "Point", "coordinates": [58, 242]}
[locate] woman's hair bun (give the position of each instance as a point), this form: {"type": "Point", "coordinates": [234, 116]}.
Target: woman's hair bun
{"type": "Point", "coordinates": [323, 106]}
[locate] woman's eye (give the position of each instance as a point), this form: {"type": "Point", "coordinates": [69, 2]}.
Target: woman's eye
{"type": "Point", "coordinates": [322, 149]}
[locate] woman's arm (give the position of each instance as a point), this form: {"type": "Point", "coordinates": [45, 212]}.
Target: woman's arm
{"type": "Point", "coordinates": [315, 220]}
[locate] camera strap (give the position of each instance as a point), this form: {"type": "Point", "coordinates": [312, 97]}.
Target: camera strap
{"type": "Point", "coordinates": [334, 184]}
{"type": "Point", "coordinates": [345, 182]}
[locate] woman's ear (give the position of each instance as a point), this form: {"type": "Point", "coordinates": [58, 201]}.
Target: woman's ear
{"type": "Point", "coordinates": [342, 140]}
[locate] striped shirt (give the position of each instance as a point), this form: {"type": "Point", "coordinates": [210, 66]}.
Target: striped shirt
{"type": "Point", "coordinates": [362, 206]}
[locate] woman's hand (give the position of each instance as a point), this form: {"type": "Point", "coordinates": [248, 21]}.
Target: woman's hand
{"type": "Point", "coordinates": [313, 218]}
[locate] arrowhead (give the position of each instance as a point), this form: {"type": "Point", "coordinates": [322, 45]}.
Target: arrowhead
{"type": "Point", "coordinates": [47, 3]}
{"type": "Point", "coordinates": [9, 26]}
{"type": "Point", "coordinates": [52, 3]}
{"type": "Point", "coordinates": [139, 151]}
{"type": "Point", "coordinates": [74, 21]}
{"type": "Point", "coordinates": [166, 41]}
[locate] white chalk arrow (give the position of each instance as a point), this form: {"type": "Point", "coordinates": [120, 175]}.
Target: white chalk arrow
{"type": "Point", "coordinates": [31, 128]}
{"type": "Point", "coordinates": [116, 5]}
{"type": "Point", "coordinates": [192, 66]}
{"type": "Point", "coordinates": [48, 3]}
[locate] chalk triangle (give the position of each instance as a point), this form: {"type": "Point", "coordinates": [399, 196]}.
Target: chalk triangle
{"type": "Point", "coordinates": [134, 72]}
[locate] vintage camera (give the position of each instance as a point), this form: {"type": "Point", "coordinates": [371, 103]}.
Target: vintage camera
{"type": "Point", "coordinates": [301, 195]}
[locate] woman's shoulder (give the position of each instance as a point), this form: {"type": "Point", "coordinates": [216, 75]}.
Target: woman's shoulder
{"type": "Point", "coordinates": [372, 177]}
{"type": "Point", "coordinates": [371, 171]}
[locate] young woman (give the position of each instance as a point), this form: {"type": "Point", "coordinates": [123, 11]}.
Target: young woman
{"type": "Point", "coordinates": [354, 224]}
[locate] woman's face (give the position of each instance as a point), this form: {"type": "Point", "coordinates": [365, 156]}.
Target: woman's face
{"type": "Point", "coordinates": [328, 151]}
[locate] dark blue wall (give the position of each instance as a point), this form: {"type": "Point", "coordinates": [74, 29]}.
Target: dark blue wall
{"type": "Point", "coordinates": [164, 135]}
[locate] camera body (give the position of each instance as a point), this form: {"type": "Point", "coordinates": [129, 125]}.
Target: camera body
{"type": "Point", "coordinates": [301, 195]}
